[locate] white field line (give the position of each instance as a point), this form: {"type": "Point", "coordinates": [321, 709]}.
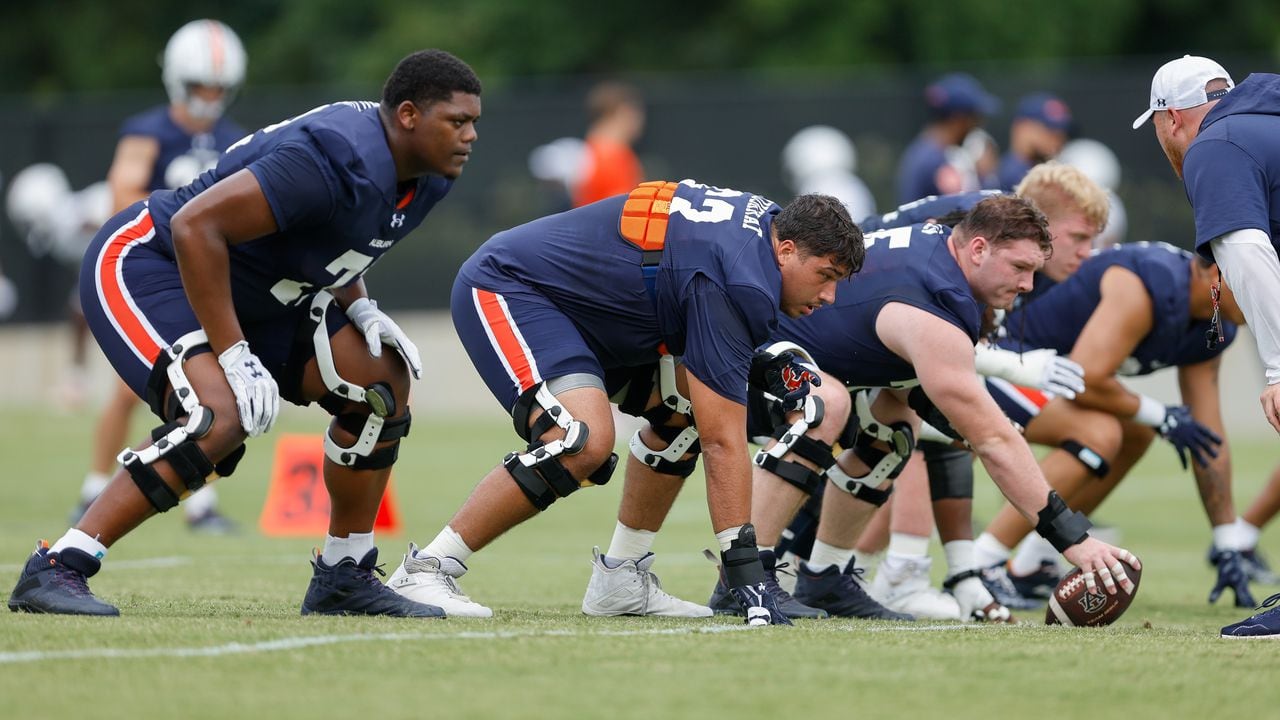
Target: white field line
{"type": "Point", "coordinates": [296, 643]}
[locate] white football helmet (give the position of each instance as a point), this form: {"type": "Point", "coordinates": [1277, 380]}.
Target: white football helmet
{"type": "Point", "coordinates": [1094, 159]}
{"type": "Point", "coordinates": [203, 52]}
{"type": "Point", "coordinates": [818, 149]}
{"type": "Point", "coordinates": [37, 196]}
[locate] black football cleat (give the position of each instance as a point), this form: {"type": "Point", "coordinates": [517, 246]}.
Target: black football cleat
{"type": "Point", "coordinates": [1265, 625]}
{"type": "Point", "coordinates": [723, 602]}
{"type": "Point", "coordinates": [841, 594]}
{"type": "Point", "coordinates": [1039, 584]}
{"type": "Point", "coordinates": [351, 588]}
{"type": "Point", "coordinates": [57, 584]}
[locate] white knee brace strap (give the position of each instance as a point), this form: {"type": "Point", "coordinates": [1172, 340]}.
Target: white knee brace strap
{"type": "Point", "coordinates": [377, 397]}
{"type": "Point", "coordinates": [199, 418]}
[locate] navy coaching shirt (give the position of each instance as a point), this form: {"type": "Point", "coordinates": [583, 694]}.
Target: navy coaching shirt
{"type": "Point", "coordinates": [181, 155]}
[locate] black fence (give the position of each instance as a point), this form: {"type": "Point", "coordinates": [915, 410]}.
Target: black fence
{"type": "Point", "coordinates": [723, 130]}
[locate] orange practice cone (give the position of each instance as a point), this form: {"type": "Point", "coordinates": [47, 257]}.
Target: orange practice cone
{"type": "Point", "coordinates": [297, 502]}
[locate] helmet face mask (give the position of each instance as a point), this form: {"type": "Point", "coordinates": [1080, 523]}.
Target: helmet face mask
{"type": "Point", "coordinates": [203, 53]}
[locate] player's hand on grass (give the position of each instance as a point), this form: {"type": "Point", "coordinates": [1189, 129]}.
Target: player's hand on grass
{"type": "Point", "coordinates": [1188, 436]}
{"type": "Point", "coordinates": [1270, 400]}
{"type": "Point", "coordinates": [1231, 574]}
{"type": "Point", "coordinates": [1102, 564]}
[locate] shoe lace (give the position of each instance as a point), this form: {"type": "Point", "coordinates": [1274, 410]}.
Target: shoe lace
{"type": "Point", "coordinates": [1274, 599]}
{"type": "Point", "coordinates": [997, 578]}
{"type": "Point", "coordinates": [71, 581]}
{"type": "Point", "coordinates": [771, 583]}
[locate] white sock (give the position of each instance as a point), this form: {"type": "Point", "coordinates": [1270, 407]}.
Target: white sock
{"type": "Point", "coordinates": [959, 556]}
{"type": "Point", "coordinates": [201, 502]}
{"type": "Point", "coordinates": [1249, 533]}
{"type": "Point", "coordinates": [1229, 536]}
{"type": "Point", "coordinates": [988, 551]}
{"type": "Point", "coordinates": [824, 556]}
{"type": "Point", "coordinates": [1033, 551]}
{"type": "Point", "coordinates": [81, 541]}
{"type": "Point", "coordinates": [726, 537]}
{"type": "Point", "coordinates": [904, 544]}
{"type": "Point", "coordinates": [354, 546]}
{"type": "Point", "coordinates": [629, 543]}
{"type": "Point", "coordinates": [93, 485]}
{"type": "Point", "coordinates": [448, 544]}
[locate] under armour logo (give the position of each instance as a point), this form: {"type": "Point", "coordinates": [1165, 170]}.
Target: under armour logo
{"type": "Point", "coordinates": [397, 220]}
{"type": "Point", "coordinates": [253, 369]}
{"type": "Point", "coordinates": [1160, 102]}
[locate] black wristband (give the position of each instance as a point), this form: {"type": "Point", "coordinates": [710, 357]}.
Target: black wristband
{"type": "Point", "coordinates": [1060, 525]}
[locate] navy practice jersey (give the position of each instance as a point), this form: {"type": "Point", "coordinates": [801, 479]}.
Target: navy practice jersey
{"type": "Point", "coordinates": [182, 156]}
{"type": "Point", "coordinates": [1012, 169]}
{"type": "Point", "coordinates": [717, 291]}
{"type": "Point", "coordinates": [932, 208]}
{"type": "Point", "coordinates": [330, 180]}
{"type": "Point", "coordinates": [911, 265]}
{"type": "Point", "coordinates": [1232, 169]}
{"type": "Point", "coordinates": [918, 169]}
{"type": "Point", "coordinates": [1058, 317]}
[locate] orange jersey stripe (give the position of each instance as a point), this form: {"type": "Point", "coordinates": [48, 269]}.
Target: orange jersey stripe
{"type": "Point", "coordinates": [513, 350]}
{"type": "Point", "coordinates": [118, 306]}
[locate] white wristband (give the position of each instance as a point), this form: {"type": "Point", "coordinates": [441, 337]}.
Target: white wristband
{"type": "Point", "coordinates": [1151, 412]}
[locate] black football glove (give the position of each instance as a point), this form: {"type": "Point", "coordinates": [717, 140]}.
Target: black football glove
{"type": "Point", "coordinates": [1188, 436]}
{"type": "Point", "coordinates": [784, 372]}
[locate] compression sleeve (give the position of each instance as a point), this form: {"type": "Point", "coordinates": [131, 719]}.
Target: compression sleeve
{"type": "Point", "coordinates": [1252, 271]}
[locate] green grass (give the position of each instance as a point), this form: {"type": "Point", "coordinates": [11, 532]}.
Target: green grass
{"type": "Point", "coordinates": [210, 625]}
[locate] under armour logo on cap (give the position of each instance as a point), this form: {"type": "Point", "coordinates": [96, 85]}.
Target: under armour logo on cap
{"type": "Point", "coordinates": [1180, 84]}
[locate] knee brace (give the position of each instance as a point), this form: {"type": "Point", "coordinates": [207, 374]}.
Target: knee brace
{"type": "Point", "coordinates": [538, 471]}
{"type": "Point", "coordinates": [1096, 464]}
{"type": "Point", "coordinates": [792, 439]}
{"type": "Point", "coordinates": [884, 464]}
{"type": "Point", "coordinates": [679, 440]}
{"type": "Point", "coordinates": [368, 428]}
{"type": "Point", "coordinates": [175, 441]}
{"type": "Point", "coordinates": [950, 471]}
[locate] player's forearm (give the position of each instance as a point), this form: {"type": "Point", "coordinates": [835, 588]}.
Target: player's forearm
{"type": "Point", "coordinates": [728, 471]}
{"type": "Point", "coordinates": [205, 267]}
{"type": "Point", "coordinates": [1252, 271]}
{"type": "Point", "coordinates": [1009, 462]}
{"type": "Point", "coordinates": [1108, 395]}
{"type": "Point", "coordinates": [349, 294]}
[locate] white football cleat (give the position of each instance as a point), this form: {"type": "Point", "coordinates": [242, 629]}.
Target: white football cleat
{"type": "Point", "coordinates": [434, 581]}
{"type": "Point", "coordinates": [902, 584]}
{"type": "Point", "coordinates": [632, 589]}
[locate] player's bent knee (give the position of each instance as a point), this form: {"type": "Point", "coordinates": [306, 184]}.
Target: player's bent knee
{"type": "Point", "coordinates": [669, 459]}
{"type": "Point", "coordinates": [793, 440]}
{"type": "Point", "coordinates": [539, 470]}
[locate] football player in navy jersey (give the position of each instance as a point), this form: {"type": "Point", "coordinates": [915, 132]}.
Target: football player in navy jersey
{"type": "Point", "coordinates": [912, 319]}
{"type": "Point", "coordinates": [1132, 310]}
{"type": "Point", "coordinates": [1220, 139]}
{"type": "Point", "coordinates": [166, 147]}
{"type": "Point", "coordinates": [1076, 209]}
{"type": "Point", "coordinates": [214, 300]}
{"type": "Point", "coordinates": [566, 313]}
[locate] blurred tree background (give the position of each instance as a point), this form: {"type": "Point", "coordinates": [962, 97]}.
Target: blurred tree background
{"type": "Point", "coordinates": [726, 83]}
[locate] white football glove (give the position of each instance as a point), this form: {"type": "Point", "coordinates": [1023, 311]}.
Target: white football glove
{"type": "Point", "coordinates": [379, 328]}
{"type": "Point", "coordinates": [1040, 369]}
{"type": "Point", "coordinates": [257, 395]}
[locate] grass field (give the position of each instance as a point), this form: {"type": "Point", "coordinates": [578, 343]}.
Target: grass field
{"type": "Point", "coordinates": [210, 625]}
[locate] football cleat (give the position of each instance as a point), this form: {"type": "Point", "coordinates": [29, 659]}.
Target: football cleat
{"type": "Point", "coordinates": [902, 584]}
{"type": "Point", "coordinates": [1262, 626]}
{"type": "Point", "coordinates": [631, 588]}
{"type": "Point", "coordinates": [1254, 563]}
{"type": "Point", "coordinates": [351, 588]}
{"type": "Point", "coordinates": [57, 583]}
{"type": "Point", "coordinates": [996, 579]}
{"type": "Point", "coordinates": [434, 581]}
{"type": "Point", "coordinates": [724, 602]}
{"type": "Point", "coordinates": [1039, 584]}
{"type": "Point", "coordinates": [212, 522]}
{"type": "Point", "coordinates": [841, 594]}
{"type": "Point", "coordinates": [760, 606]}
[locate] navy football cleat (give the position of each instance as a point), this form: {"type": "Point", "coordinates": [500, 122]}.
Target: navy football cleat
{"type": "Point", "coordinates": [56, 583]}
{"type": "Point", "coordinates": [724, 602]}
{"type": "Point", "coordinates": [841, 594]}
{"type": "Point", "coordinates": [1265, 625]}
{"type": "Point", "coordinates": [350, 588]}
{"type": "Point", "coordinates": [996, 579]}
{"type": "Point", "coordinates": [1039, 584]}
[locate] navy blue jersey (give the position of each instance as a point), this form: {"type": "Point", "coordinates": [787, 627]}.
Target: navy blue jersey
{"type": "Point", "coordinates": [717, 291]}
{"type": "Point", "coordinates": [1232, 169]}
{"type": "Point", "coordinates": [911, 265]}
{"type": "Point", "coordinates": [182, 156]}
{"type": "Point", "coordinates": [330, 180]}
{"type": "Point", "coordinates": [1012, 169]}
{"type": "Point", "coordinates": [1057, 318]}
{"type": "Point", "coordinates": [918, 169]}
{"type": "Point", "coordinates": [927, 209]}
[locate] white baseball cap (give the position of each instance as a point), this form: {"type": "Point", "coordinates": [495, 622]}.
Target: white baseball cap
{"type": "Point", "coordinates": [1179, 84]}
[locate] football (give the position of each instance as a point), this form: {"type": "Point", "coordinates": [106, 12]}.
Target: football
{"type": "Point", "coordinates": [1072, 604]}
